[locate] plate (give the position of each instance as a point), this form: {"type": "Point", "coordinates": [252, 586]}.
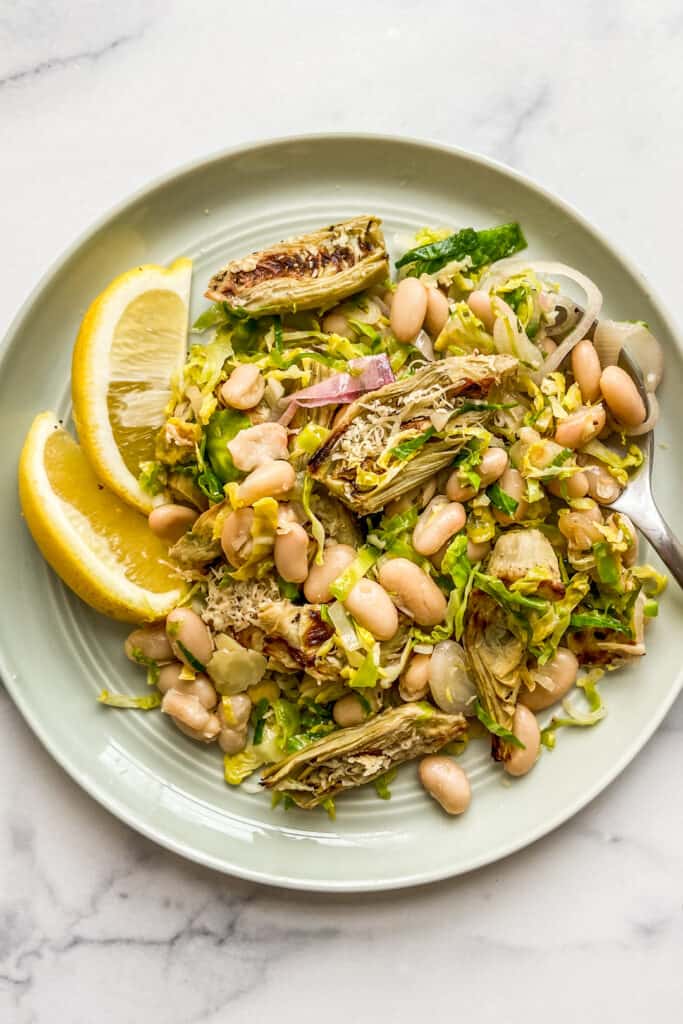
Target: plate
{"type": "Point", "coordinates": [57, 654]}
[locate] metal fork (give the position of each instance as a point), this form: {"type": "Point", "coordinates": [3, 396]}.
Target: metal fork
{"type": "Point", "coordinates": [637, 501]}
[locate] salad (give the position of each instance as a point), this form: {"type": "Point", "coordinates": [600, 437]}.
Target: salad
{"type": "Point", "coordinates": [386, 504]}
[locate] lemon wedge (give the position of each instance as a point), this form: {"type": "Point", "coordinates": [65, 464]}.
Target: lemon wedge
{"type": "Point", "coordinates": [101, 547]}
{"type": "Point", "coordinates": [131, 344]}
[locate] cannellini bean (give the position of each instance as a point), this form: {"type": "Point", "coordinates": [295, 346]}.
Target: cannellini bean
{"type": "Point", "coordinates": [408, 309]}
{"type": "Point", "coordinates": [256, 445]}
{"type": "Point", "coordinates": [244, 387]}
{"type": "Point", "coordinates": [553, 680]}
{"type": "Point", "coordinates": [336, 323]}
{"type": "Point", "coordinates": [234, 711]}
{"type": "Point", "coordinates": [477, 552]}
{"type": "Point", "coordinates": [493, 464]}
{"type": "Point", "coordinates": [581, 427]}
{"type": "Point", "coordinates": [580, 528]}
{"type": "Point", "coordinates": [190, 715]}
{"type": "Point", "coordinates": [602, 487]}
{"type": "Point", "coordinates": [271, 480]}
{"type": "Point", "coordinates": [232, 741]}
{"type": "Point", "coordinates": [512, 482]}
{"type": "Point", "coordinates": [348, 710]}
{"type": "Point", "coordinates": [574, 486]}
{"type": "Point", "coordinates": [149, 642]}
{"type": "Point", "coordinates": [413, 591]}
{"type": "Point", "coordinates": [621, 395]}
{"type": "Point", "coordinates": [446, 782]}
{"type": "Point", "coordinates": [586, 369]}
{"type": "Point", "coordinates": [170, 522]}
{"type": "Point", "coordinates": [190, 638]}
{"type": "Point", "coordinates": [200, 687]}
{"type": "Point", "coordinates": [336, 558]}
{"type": "Point", "coordinates": [437, 312]}
{"type": "Point", "coordinates": [414, 682]}
{"type": "Point", "coordinates": [519, 761]}
{"type": "Point", "coordinates": [440, 521]}
{"type": "Point", "coordinates": [236, 539]}
{"type": "Point", "coordinates": [480, 304]}
{"type": "Point", "coordinates": [291, 553]}
{"type": "Point", "coordinates": [373, 609]}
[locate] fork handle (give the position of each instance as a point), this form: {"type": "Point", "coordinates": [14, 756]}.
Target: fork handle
{"type": "Point", "coordinates": [653, 526]}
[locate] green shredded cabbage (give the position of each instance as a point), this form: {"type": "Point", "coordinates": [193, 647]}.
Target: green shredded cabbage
{"type": "Point", "coordinates": [616, 464]}
{"type": "Point", "coordinates": [493, 727]}
{"type": "Point", "coordinates": [317, 528]}
{"type": "Point", "coordinates": [152, 478]}
{"type": "Point", "coordinates": [236, 767]}
{"type": "Point", "coordinates": [383, 782]}
{"type": "Point", "coordinates": [342, 586]}
{"type": "Point", "coordinates": [501, 500]}
{"type": "Point", "coordinates": [574, 717]}
{"type": "Point", "coordinates": [653, 582]}
{"type": "Point", "coordinates": [123, 700]}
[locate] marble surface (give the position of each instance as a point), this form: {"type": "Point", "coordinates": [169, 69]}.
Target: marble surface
{"type": "Point", "coordinates": [97, 923]}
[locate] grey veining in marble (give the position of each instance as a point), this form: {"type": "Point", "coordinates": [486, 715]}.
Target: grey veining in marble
{"type": "Point", "coordinates": [96, 923]}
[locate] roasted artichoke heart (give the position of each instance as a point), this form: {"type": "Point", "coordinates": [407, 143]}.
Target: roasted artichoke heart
{"type": "Point", "coordinates": [353, 756]}
{"type": "Point", "coordinates": [496, 657]}
{"type": "Point", "coordinates": [395, 438]}
{"type": "Point", "coordinates": [313, 271]}
{"type": "Point", "coordinates": [198, 547]}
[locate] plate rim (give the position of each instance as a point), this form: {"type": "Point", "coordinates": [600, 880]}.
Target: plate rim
{"type": "Point", "coordinates": [118, 807]}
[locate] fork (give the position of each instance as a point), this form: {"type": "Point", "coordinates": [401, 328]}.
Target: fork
{"type": "Point", "coordinates": [637, 501]}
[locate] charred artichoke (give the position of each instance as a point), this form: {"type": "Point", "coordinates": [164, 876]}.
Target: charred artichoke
{"type": "Point", "coordinates": [388, 442]}
{"type": "Point", "coordinates": [351, 757]}
{"type": "Point", "coordinates": [313, 271]}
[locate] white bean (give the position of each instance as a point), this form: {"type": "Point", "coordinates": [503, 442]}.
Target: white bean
{"type": "Point", "coordinates": [149, 642]}
{"type": "Point", "coordinates": [575, 486]}
{"type": "Point", "coordinates": [477, 552]}
{"type": "Point", "coordinates": [621, 395]}
{"type": "Point", "coordinates": [190, 715]}
{"type": "Point", "coordinates": [373, 609]}
{"type": "Point", "coordinates": [451, 686]}
{"type": "Point", "coordinates": [170, 521]}
{"type": "Point", "coordinates": [437, 312]}
{"type": "Point", "coordinates": [512, 482]}
{"type": "Point", "coordinates": [336, 558]}
{"type": "Point", "coordinates": [586, 369]}
{"type": "Point", "coordinates": [519, 761]}
{"type": "Point", "coordinates": [630, 556]}
{"type": "Point", "coordinates": [234, 711]}
{"type": "Point", "coordinates": [553, 680]}
{"type": "Point", "coordinates": [336, 323]}
{"type": "Point", "coordinates": [580, 427]}
{"type": "Point", "coordinates": [244, 387]}
{"type": "Point", "coordinates": [190, 638]}
{"type": "Point", "coordinates": [480, 304]}
{"type": "Point", "coordinates": [272, 480]}
{"type": "Point", "coordinates": [236, 539]}
{"type": "Point", "coordinates": [413, 591]}
{"type": "Point", "coordinates": [348, 710]}
{"type": "Point", "coordinates": [602, 487]}
{"type": "Point", "coordinates": [291, 553]}
{"type": "Point", "coordinates": [408, 309]}
{"type": "Point", "coordinates": [254, 446]}
{"type": "Point", "coordinates": [580, 528]}
{"type": "Point", "coordinates": [440, 521]}
{"type": "Point", "coordinates": [446, 782]}
{"type": "Point", "coordinates": [232, 741]}
{"type": "Point", "coordinates": [200, 687]}
{"type": "Point", "coordinates": [414, 682]}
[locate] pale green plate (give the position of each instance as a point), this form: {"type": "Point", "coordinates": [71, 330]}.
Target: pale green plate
{"type": "Point", "coordinates": [57, 654]}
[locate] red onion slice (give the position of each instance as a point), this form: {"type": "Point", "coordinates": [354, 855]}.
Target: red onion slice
{"type": "Point", "coordinates": [342, 388]}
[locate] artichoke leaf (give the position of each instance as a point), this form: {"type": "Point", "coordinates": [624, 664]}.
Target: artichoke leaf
{"type": "Point", "coordinates": [313, 271]}
{"type": "Point", "coordinates": [354, 756]}
{"type": "Point", "coordinates": [387, 443]}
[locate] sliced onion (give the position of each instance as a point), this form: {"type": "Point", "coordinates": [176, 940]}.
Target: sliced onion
{"type": "Point", "coordinates": [647, 425]}
{"type": "Point", "coordinates": [342, 388]}
{"type": "Point", "coordinates": [423, 344]}
{"type": "Point", "coordinates": [613, 335]}
{"type": "Point", "coordinates": [549, 268]}
{"type": "Point", "coordinates": [344, 627]}
{"type": "Point", "coordinates": [452, 689]}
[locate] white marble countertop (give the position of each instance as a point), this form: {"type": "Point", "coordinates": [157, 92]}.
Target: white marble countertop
{"type": "Point", "coordinates": [97, 923]}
